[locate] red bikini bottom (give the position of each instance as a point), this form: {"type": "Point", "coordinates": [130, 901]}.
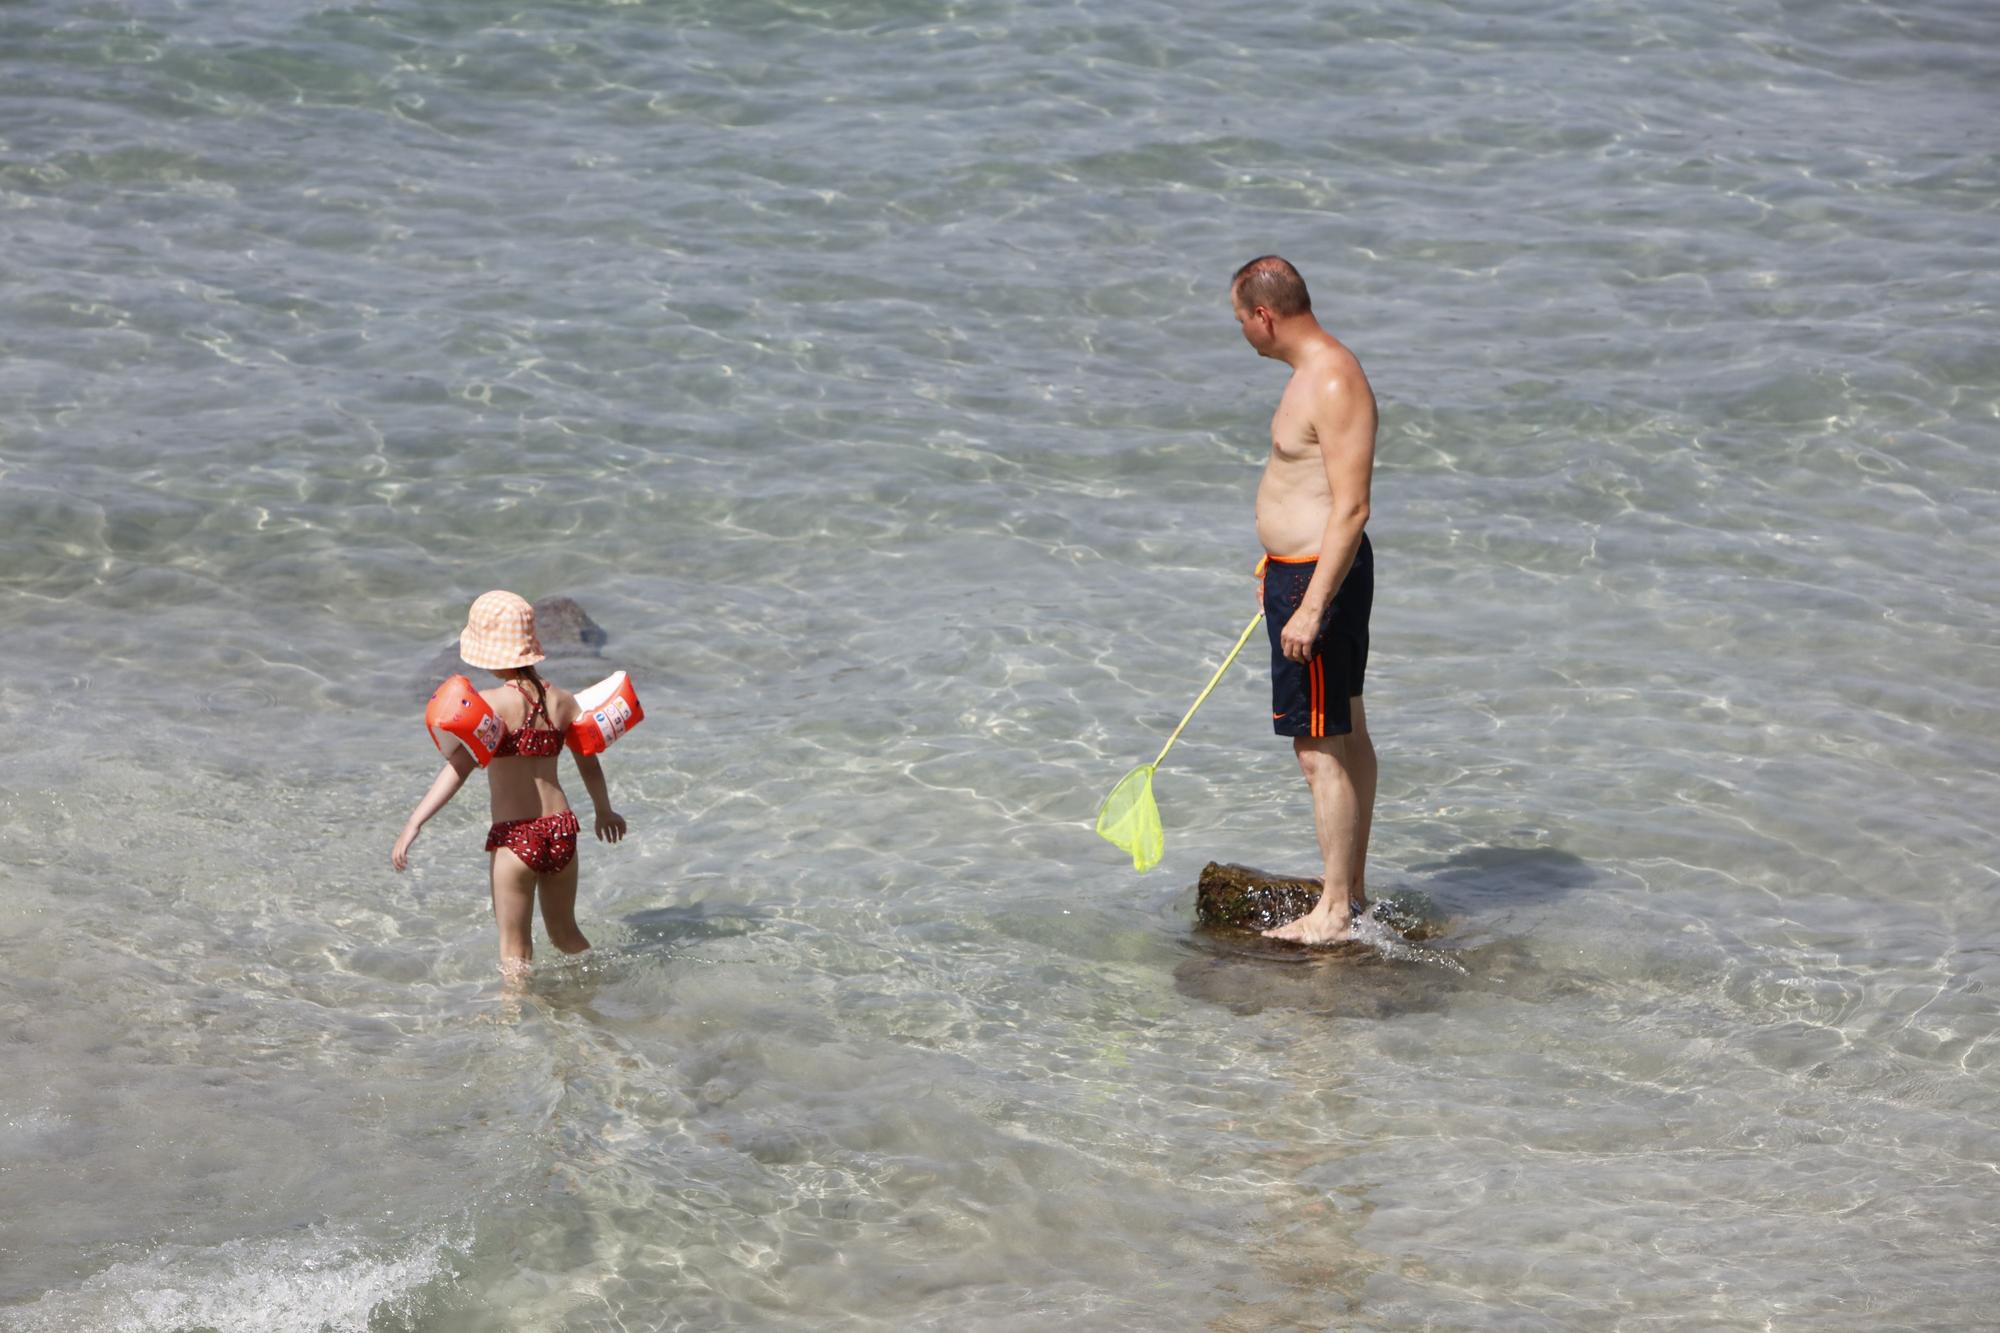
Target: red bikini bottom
{"type": "Point", "coordinates": [544, 845]}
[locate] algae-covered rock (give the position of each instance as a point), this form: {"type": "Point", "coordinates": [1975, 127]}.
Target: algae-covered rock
{"type": "Point", "coordinates": [1232, 895]}
{"type": "Point", "coordinates": [1241, 898]}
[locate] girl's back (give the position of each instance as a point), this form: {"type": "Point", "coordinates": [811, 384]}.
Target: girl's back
{"type": "Point", "coordinates": [526, 785]}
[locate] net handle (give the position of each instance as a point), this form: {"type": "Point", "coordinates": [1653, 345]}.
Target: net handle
{"type": "Point", "coordinates": [1208, 689]}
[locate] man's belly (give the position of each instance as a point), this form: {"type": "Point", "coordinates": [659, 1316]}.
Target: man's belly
{"type": "Point", "coordinates": [1291, 520]}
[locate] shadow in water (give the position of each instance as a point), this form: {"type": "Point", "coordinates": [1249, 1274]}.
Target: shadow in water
{"type": "Point", "coordinates": [1482, 876]}
{"type": "Point", "coordinates": [1347, 981]}
{"type": "Point", "coordinates": [663, 929]}
{"type": "Point", "coordinates": [1244, 972]}
{"type": "Point", "coordinates": [647, 940]}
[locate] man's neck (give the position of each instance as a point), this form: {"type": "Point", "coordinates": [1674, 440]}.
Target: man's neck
{"type": "Point", "coordinates": [1301, 339]}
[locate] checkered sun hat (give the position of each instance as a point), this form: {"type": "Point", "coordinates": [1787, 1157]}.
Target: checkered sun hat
{"type": "Point", "coordinates": [500, 632]}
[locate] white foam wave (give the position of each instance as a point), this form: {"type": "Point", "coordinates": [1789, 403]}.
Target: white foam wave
{"type": "Point", "coordinates": [1385, 939]}
{"type": "Point", "coordinates": [313, 1282]}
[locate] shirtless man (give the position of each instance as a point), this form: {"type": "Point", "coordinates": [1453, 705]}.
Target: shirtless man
{"type": "Point", "coordinates": [1319, 577]}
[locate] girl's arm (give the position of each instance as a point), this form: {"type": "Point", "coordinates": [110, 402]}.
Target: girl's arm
{"type": "Point", "coordinates": [610, 824]}
{"type": "Point", "coordinates": [450, 778]}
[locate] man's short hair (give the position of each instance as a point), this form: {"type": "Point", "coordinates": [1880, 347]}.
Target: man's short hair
{"type": "Point", "coordinates": [1270, 282]}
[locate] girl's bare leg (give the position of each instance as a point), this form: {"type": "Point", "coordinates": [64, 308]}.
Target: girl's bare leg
{"type": "Point", "coordinates": [558, 893]}
{"type": "Point", "coordinates": [514, 912]}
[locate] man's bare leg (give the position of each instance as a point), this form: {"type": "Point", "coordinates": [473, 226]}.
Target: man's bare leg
{"type": "Point", "coordinates": [1336, 819]}
{"type": "Point", "coordinates": [1358, 757]}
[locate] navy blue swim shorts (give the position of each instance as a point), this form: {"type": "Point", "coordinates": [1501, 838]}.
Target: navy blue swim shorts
{"type": "Point", "coordinates": [1310, 698]}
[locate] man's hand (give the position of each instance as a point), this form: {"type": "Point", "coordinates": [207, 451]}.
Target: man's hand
{"type": "Point", "coordinates": [1296, 639]}
{"type": "Point", "coordinates": [610, 826]}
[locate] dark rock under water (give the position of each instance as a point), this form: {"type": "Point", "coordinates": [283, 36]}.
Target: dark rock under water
{"type": "Point", "coordinates": [566, 630]}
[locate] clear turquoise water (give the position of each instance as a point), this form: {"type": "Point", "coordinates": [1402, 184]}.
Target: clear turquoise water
{"type": "Point", "coordinates": [866, 370]}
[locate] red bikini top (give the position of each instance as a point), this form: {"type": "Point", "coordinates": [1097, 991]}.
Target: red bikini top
{"type": "Point", "coordinates": [527, 743]}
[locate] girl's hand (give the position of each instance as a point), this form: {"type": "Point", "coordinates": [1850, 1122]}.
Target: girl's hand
{"type": "Point", "coordinates": [610, 826]}
{"type": "Point", "coordinates": [444, 786]}
{"type": "Point", "coordinates": [399, 857]}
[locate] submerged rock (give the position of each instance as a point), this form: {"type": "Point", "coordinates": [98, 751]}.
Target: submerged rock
{"type": "Point", "coordinates": [566, 629]}
{"type": "Point", "coordinates": [567, 632]}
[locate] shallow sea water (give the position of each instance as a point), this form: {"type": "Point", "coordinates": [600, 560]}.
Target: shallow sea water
{"type": "Point", "coordinates": [866, 371]}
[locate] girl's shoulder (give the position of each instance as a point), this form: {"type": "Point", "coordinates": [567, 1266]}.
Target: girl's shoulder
{"type": "Point", "coordinates": [563, 708]}
{"type": "Point", "coordinates": [513, 705]}
{"type": "Point", "coordinates": [506, 705]}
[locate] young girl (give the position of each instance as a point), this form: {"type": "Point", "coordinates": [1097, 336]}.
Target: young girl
{"type": "Point", "coordinates": [533, 838]}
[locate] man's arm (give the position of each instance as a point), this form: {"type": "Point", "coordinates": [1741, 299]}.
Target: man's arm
{"type": "Point", "coordinates": [1344, 421]}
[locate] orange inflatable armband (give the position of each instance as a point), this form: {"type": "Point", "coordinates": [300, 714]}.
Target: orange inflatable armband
{"type": "Point", "coordinates": [610, 709]}
{"type": "Point", "coordinates": [458, 716]}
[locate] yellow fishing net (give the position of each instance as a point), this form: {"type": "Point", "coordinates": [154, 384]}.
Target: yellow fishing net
{"type": "Point", "coordinates": [1130, 821]}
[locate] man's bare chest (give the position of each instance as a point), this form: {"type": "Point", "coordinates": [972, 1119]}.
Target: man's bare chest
{"type": "Point", "coordinates": [1293, 439]}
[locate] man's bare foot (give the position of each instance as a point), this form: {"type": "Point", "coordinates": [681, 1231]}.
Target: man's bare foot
{"type": "Point", "coordinates": [1315, 927]}
{"type": "Point", "coordinates": [1357, 906]}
